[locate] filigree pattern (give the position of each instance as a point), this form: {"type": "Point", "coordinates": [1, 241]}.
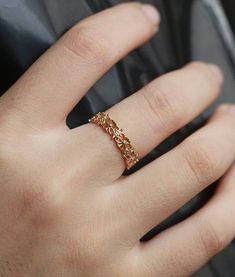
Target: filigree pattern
{"type": "Point", "coordinates": [123, 143]}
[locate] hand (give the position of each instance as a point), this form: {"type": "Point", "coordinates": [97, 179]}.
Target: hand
{"type": "Point", "coordinates": [65, 209]}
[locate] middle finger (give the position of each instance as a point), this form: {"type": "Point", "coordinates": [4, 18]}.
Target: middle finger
{"type": "Point", "coordinates": [163, 186]}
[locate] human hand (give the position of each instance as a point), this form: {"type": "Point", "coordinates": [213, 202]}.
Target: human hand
{"type": "Point", "coordinates": [65, 208]}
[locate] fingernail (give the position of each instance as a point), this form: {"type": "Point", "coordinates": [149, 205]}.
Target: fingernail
{"type": "Point", "coordinates": [217, 72]}
{"type": "Point", "coordinates": [152, 13]}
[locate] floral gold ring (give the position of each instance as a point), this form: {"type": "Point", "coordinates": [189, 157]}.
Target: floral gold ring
{"type": "Point", "coordinates": [123, 143]}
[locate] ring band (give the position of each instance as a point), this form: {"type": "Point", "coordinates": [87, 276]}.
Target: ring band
{"type": "Point", "coordinates": [123, 143]}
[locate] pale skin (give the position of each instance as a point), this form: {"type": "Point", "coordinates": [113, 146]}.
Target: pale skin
{"type": "Point", "coordinates": [65, 209]}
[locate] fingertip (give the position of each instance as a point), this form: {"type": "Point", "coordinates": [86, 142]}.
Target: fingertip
{"type": "Point", "coordinates": [152, 13]}
{"type": "Point", "coordinates": [217, 72]}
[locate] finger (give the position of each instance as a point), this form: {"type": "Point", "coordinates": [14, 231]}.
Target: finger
{"type": "Point", "coordinates": [152, 114]}
{"type": "Point", "coordinates": [165, 185]}
{"type": "Point", "coordinates": [61, 77]}
{"type": "Point", "coordinates": [184, 248]}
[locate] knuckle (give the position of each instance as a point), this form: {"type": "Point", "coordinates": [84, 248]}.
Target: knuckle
{"type": "Point", "coordinates": [202, 159]}
{"type": "Point", "coordinates": [37, 206]}
{"type": "Point", "coordinates": [211, 240]}
{"type": "Point", "coordinates": [158, 100]}
{"type": "Point", "coordinates": [161, 107]}
{"type": "Point", "coordinates": [88, 43]}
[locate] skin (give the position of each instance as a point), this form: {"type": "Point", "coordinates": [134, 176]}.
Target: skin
{"type": "Point", "coordinates": [65, 209]}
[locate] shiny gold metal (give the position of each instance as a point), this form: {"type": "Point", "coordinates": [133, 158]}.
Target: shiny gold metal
{"type": "Point", "coordinates": [123, 143]}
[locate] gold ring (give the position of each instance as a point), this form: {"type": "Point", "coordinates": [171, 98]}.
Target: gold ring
{"type": "Point", "coordinates": [123, 143]}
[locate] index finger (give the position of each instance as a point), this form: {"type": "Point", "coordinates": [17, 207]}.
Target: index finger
{"type": "Point", "coordinates": [61, 77]}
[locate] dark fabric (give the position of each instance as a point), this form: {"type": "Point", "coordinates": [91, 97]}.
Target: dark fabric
{"type": "Point", "coordinates": [190, 30]}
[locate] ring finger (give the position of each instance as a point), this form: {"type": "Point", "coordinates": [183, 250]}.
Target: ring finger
{"type": "Point", "coordinates": [152, 114]}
